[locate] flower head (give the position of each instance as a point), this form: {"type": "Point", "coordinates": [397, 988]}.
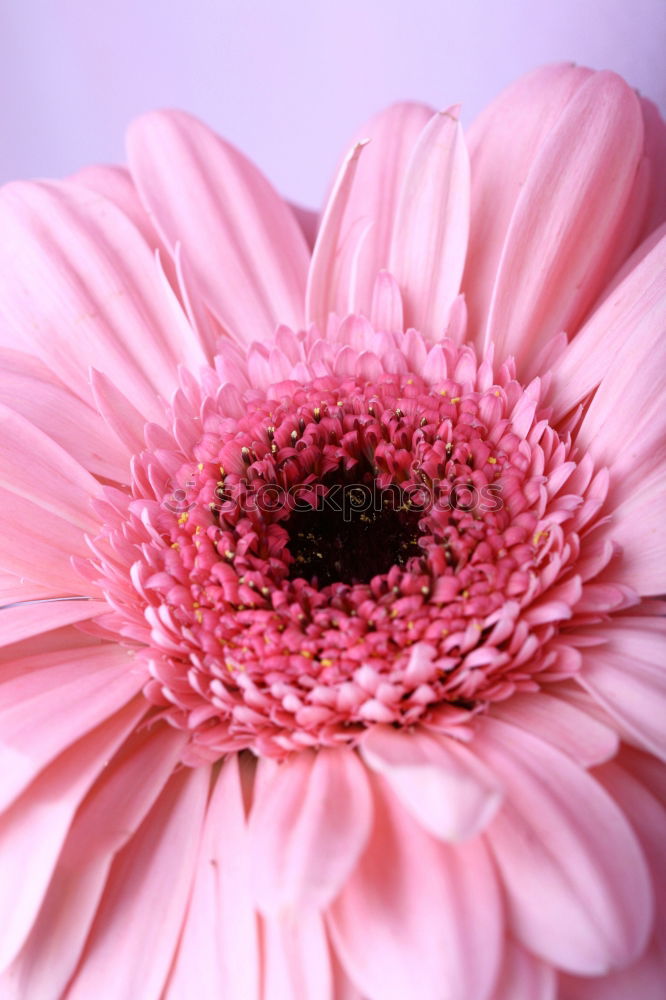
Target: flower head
{"type": "Point", "coordinates": [332, 664]}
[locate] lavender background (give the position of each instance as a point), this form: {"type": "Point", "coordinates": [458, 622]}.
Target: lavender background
{"type": "Point", "coordinates": [287, 80]}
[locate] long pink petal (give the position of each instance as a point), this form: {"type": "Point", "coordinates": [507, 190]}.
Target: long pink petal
{"type": "Point", "coordinates": [113, 809]}
{"type": "Point", "coordinates": [296, 958]}
{"type": "Point", "coordinates": [418, 918]}
{"type": "Point", "coordinates": [46, 710]}
{"type": "Point", "coordinates": [28, 388]}
{"type": "Point", "coordinates": [329, 277]}
{"type": "Point", "coordinates": [560, 246]}
{"type": "Point", "coordinates": [21, 622]}
{"type": "Point", "coordinates": [549, 845]}
{"type": "Point", "coordinates": [79, 287]}
{"type": "Point", "coordinates": [655, 151]}
{"type": "Point", "coordinates": [503, 143]}
{"type": "Point", "coordinates": [135, 933]}
{"type": "Point", "coordinates": [568, 728]}
{"type": "Point", "coordinates": [524, 977]}
{"type": "Point", "coordinates": [244, 245]}
{"type": "Point", "coordinates": [32, 831]}
{"type": "Point", "coordinates": [50, 477]}
{"type": "Point", "coordinates": [308, 826]}
{"type": "Point", "coordinates": [429, 238]}
{"type": "Point", "coordinates": [644, 980]}
{"type": "Point", "coordinates": [373, 199]}
{"type": "Point", "coordinates": [218, 954]}
{"type": "Point", "coordinates": [442, 784]}
{"type": "Point", "coordinates": [626, 676]}
{"type": "Point", "coordinates": [626, 326]}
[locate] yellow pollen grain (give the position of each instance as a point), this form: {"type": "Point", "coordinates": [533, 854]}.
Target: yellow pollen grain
{"type": "Point", "coordinates": [496, 393]}
{"type": "Point", "coordinates": [199, 616]}
{"type": "Point", "coordinates": [537, 536]}
{"type": "Point", "coordinates": [327, 662]}
{"type": "Point", "coordinates": [184, 518]}
{"type": "Point", "coordinates": [228, 554]}
{"type": "Point", "coordinates": [455, 399]}
{"type": "Point", "coordinates": [465, 594]}
{"type": "Point", "coordinates": [175, 545]}
{"type": "Point", "coordinates": [410, 625]}
{"type": "Point", "coordinates": [200, 466]}
{"type": "Point", "coordinates": [306, 653]}
{"type": "Point", "coordinates": [493, 461]}
{"type": "Point", "coordinates": [197, 530]}
{"type": "Point", "coordinates": [443, 392]}
{"type": "Point", "coordinates": [410, 381]}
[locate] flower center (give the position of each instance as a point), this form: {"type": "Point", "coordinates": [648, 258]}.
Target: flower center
{"type": "Point", "coordinates": [352, 535]}
{"type": "Point", "coordinates": [348, 551]}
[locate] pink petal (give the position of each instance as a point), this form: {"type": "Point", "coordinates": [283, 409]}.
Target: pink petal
{"type": "Point", "coordinates": [655, 151]}
{"type": "Point", "coordinates": [28, 388]}
{"type": "Point", "coordinates": [524, 977]}
{"type": "Point", "coordinates": [626, 676]}
{"type": "Point", "coordinates": [21, 622]}
{"type": "Point", "coordinates": [329, 281]}
{"type": "Point", "coordinates": [247, 253]}
{"type": "Point", "coordinates": [114, 808]}
{"type": "Point", "coordinates": [571, 730]}
{"type": "Point", "coordinates": [429, 239]}
{"type": "Point", "coordinates": [218, 954]}
{"type": "Point", "coordinates": [569, 210]}
{"type": "Point", "coordinates": [559, 837]}
{"type": "Point", "coordinates": [32, 831]}
{"type": "Point", "coordinates": [644, 980]}
{"type": "Point", "coordinates": [374, 196]}
{"type": "Point", "coordinates": [45, 710]}
{"type": "Point", "coordinates": [135, 933]}
{"type": "Point", "coordinates": [308, 826]}
{"type": "Point", "coordinates": [308, 222]}
{"type": "Point", "coordinates": [86, 277]}
{"type": "Point", "coordinates": [61, 484]}
{"type": "Point", "coordinates": [296, 959]}
{"type": "Point", "coordinates": [122, 418]}
{"type": "Point", "coordinates": [503, 143]}
{"type": "Point", "coordinates": [625, 323]}
{"type": "Point", "coordinates": [437, 779]}
{"type": "Point", "coordinates": [418, 918]}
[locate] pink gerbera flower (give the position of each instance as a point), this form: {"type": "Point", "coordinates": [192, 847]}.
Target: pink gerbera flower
{"type": "Point", "coordinates": [332, 665]}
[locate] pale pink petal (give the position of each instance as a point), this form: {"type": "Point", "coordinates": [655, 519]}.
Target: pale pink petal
{"type": "Point", "coordinates": [655, 151]}
{"type": "Point", "coordinates": [122, 418]}
{"type": "Point", "coordinates": [374, 196]}
{"type": "Point", "coordinates": [43, 711]}
{"type": "Point", "coordinates": [218, 953]}
{"type": "Point", "coordinates": [53, 542]}
{"type": "Point", "coordinates": [21, 622]}
{"type": "Point", "coordinates": [329, 277]}
{"type": "Point", "coordinates": [561, 243]}
{"type": "Point", "coordinates": [418, 918]}
{"type": "Point", "coordinates": [568, 728]}
{"type": "Point", "coordinates": [386, 309]}
{"type": "Point", "coordinates": [308, 826]}
{"type": "Point", "coordinates": [296, 961]}
{"type": "Point", "coordinates": [626, 325]}
{"type": "Point", "coordinates": [33, 830]}
{"type": "Point", "coordinates": [79, 287]}
{"type": "Point", "coordinates": [51, 476]}
{"type": "Point", "coordinates": [308, 222]}
{"type": "Point", "coordinates": [247, 253]}
{"type": "Point", "coordinates": [429, 238]}
{"type": "Point", "coordinates": [503, 144]}
{"type": "Point", "coordinates": [644, 980]}
{"type": "Point", "coordinates": [442, 784]}
{"type": "Point", "coordinates": [637, 526]}
{"type": "Point", "coordinates": [524, 977]}
{"type": "Point", "coordinates": [135, 933]}
{"type": "Point", "coordinates": [113, 809]}
{"type": "Point", "coordinates": [560, 839]}
{"type": "Point", "coordinates": [27, 387]}
{"type": "Point", "coordinates": [626, 675]}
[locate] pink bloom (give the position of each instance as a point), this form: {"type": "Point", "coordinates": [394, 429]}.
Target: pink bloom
{"type": "Point", "coordinates": [332, 662]}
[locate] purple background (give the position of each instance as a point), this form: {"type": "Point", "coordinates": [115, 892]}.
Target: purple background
{"type": "Point", "coordinates": [287, 80]}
